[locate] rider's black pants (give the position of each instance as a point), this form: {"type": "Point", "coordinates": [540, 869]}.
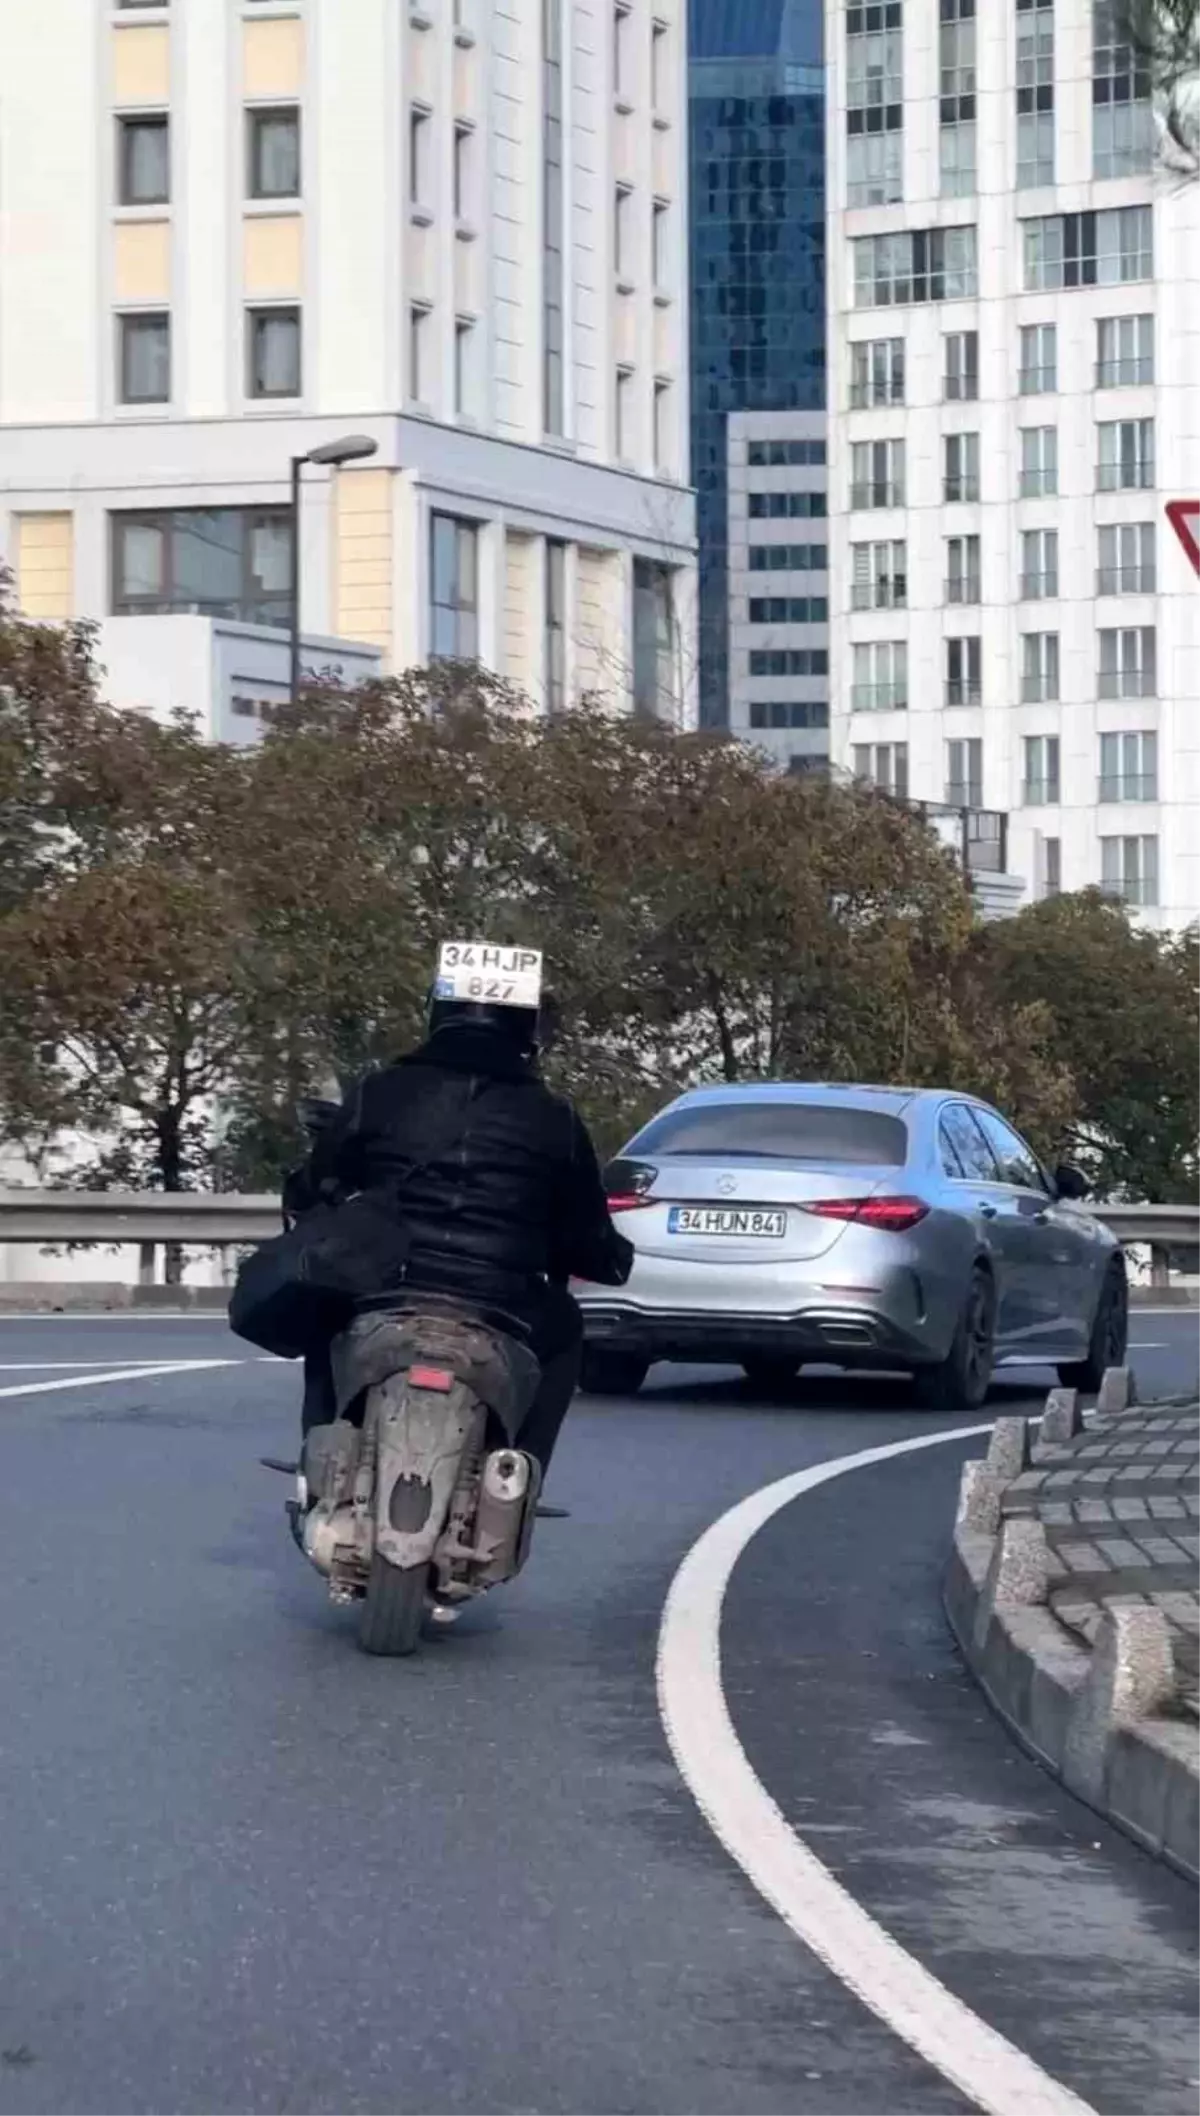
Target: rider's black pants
{"type": "Point", "coordinates": [556, 1339]}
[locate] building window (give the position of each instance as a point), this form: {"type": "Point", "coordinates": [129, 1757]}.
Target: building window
{"type": "Point", "coordinates": [789, 610]}
{"type": "Point", "coordinates": [143, 161]}
{"type": "Point", "coordinates": [879, 576]}
{"type": "Point", "coordinates": [420, 134]}
{"type": "Point", "coordinates": [964, 671]}
{"type": "Point", "coordinates": [1126, 559]}
{"type": "Point", "coordinates": [1129, 869]}
{"type": "Point", "coordinates": [273, 153]}
{"type": "Point", "coordinates": [556, 626]}
{"type": "Point", "coordinates": [624, 414]}
{"type": "Point", "coordinates": [1039, 462]}
{"type": "Point", "coordinates": [454, 580]}
{"type": "Point", "coordinates": [663, 451]}
{"type": "Point", "coordinates": [1122, 108]}
{"type": "Point", "coordinates": [780, 455]}
{"type": "Point", "coordinates": [461, 173]}
{"type": "Point", "coordinates": [964, 773]}
{"type": "Point", "coordinates": [622, 67]}
{"type": "Point", "coordinates": [1108, 249]}
{"type": "Point", "coordinates": [1125, 457]}
{"type": "Point", "coordinates": [1039, 667]}
{"type": "Point", "coordinates": [144, 359]}
{"type": "Point", "coordinates": [273, 352]}
{"type": "Point", "coordinates": [960, 372]}
{"type": "Point", "coordinates": [660, 230]}
{"type": "Point", "coordinates": [960, 466]}
{"type": "Point", "coordinates": [789, 558]}
{"type": "Point", "coordinates": [653, 640]}
{"type": "Point", "coordinates": [1129, 767]}
{"type": "Point", "coordinates": [1039, 564]}
{"type": "Point", "coordinates": [553, 368]}
{"type": "Point", "coordinates": [789, 661]}
{"type": "Point", "coordinates": [920, 264]}
{"type": "Point", "coordinates": [963, 581]}
{"type": "Point", "coordinates": [659, 77]}
{"type": "Point", "coordinates": [880, 682]}
{"type": "Point", "coordinates": [1035, 97]}
{"type": "Point", "coordinates": [1051, 866]}
{"type": "Point", "coordinates": [956, 96]}
{"type": "Point", "coordinates": [874, 109]}
{"type": "Point", "coordinates": [1042, 786]}
{"type": "Point", "coordinates": [789, 506]}
{"type": "Point", "coordinates": [1128, 663]}
{"type": "Point", "coordinates": [464, 367]}
{"type": "Point", "coordinates": [1039, 359]}
{"type": "Point", "coordinates": [877, 474]}
{"type": "Point", "coordinates": [883, 765]}
{"type": "Point", "coordinates": [789, 712]}
{"type": "Point", "coordinates": [874, 171]}
{"type": "Point", "coordinates": [1124, 351]}
{"type": "Point", "coordinates": [215, 562]}
{"type": "Point", "coordinates": [418, 362]}
{"type": "Point", "coordinates": [876, 372]}
{"type": "Point", "coordinates": [623, 232]}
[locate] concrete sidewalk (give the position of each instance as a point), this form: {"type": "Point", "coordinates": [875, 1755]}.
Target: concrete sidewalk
{"type": "Point", "coordinates": [1072, 1591]}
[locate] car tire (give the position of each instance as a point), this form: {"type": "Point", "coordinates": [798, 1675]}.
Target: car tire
{"type": "Point", "coordinates": [772, 1376]}
{"type": "Point", "coordinates": [960, 1382]}
{"type": "Point", "coordinates": [612, 1373]}
{"type": "Point", "coordinates": [1109, 1340]}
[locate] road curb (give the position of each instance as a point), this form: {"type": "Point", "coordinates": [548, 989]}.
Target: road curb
{"type": "Point", "coordinates": [1096, 1718]}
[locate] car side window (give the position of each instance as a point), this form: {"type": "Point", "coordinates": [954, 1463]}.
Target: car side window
{"type": "Point", "coordinates": [959, 1130]}
{"type": "Point", "coordinates": [1018, 1165]}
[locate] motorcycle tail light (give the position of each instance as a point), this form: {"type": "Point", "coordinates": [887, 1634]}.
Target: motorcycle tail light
{"type": "Point", "coordinates": [437, 1378]}
{"type": "Point", "coordinates": [887, 1215]}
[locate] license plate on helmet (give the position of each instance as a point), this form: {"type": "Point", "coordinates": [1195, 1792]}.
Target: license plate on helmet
{"type": "Point", "coordinates": [756, 1223]}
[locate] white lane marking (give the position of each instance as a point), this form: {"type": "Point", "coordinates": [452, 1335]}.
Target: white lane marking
{"type": "Point", "coordinates": [45, 1366]}
{"type": "Point", "coordinates": [86, 1381]}
{"type": "Point", "coordinates": [1000, 2079]}
{"type": "Point", "coordinates": [1148, 1344]}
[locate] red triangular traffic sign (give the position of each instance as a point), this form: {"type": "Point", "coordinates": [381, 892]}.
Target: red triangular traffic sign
{"type": "Point", "coordinates": [1184, 517]}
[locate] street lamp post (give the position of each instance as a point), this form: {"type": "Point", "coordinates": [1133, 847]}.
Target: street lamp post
{"type": "Point", "coordinates": [351, 449]}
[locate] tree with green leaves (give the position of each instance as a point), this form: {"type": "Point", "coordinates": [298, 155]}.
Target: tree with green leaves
{"type": "Point", "coordinates": [1164, 39]}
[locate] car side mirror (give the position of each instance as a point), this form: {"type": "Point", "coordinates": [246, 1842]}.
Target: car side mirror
{"type": "Point", "coordinates": [1071, 1182]}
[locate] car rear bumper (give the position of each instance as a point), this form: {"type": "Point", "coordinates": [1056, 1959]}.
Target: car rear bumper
{"type": "Point", "coordinates": [836, 1334]}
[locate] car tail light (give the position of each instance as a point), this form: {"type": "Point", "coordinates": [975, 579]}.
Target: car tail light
{"type": "Point", "coordinates": [439, 1378]}
{"type": "Point", "coordinates": [628, 1185]}
{"type": "Point", "coordinates": [889, 1215]}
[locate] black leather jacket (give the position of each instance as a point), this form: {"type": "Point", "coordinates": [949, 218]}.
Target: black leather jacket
{"type": "Point", "coordinates": [510, 1194]}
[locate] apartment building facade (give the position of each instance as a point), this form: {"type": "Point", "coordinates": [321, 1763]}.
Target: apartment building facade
{"type": "Point", "coordinates": [1014, 354]}
{"type": "Point", "coordinates": [232, 231]}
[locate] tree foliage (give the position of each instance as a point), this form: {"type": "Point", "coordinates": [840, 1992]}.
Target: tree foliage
{"type": "Point", "coordinates": [1164, 37]}
{"type": "Point", "coordinates": [194, 936]}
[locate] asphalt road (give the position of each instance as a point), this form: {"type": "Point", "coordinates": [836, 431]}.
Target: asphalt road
{"type": "Point", "coordinates": [244, 1868]}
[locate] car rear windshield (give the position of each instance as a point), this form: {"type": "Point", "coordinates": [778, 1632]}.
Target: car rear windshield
{"type": "Point", "coordinates": [770, 1131]}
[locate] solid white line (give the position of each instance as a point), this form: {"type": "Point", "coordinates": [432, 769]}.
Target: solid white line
{"type": "Point", "coordinates": [87, 1381]}
{"type": "Point", "coordinates": [1000, 2079]}
{"type": "Point", "coordinates": [45, 1366]}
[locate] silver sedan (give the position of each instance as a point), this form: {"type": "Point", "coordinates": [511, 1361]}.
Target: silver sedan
{"type": "Point", "coordinates": [779, 1224]}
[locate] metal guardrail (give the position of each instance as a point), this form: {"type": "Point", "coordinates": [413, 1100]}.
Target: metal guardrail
{"type": "Point", "coordinates": [205, 1218]}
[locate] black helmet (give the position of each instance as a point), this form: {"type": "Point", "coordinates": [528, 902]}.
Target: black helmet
{"type": "Point", "coordinates": [517, 1025]}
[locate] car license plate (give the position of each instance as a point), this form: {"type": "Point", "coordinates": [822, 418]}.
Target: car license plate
{"type": "Point", "coordinates": [753, 1222]}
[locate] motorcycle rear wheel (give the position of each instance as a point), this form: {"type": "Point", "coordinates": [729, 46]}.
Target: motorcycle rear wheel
{"type": "Point", "coordinates": [393, 1608]}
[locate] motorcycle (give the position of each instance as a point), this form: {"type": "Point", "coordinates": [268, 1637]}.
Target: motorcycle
{"type": "Point", "coordinates": [414, 1500]}
{"type": "Point", "coordinates": [415, 1497]}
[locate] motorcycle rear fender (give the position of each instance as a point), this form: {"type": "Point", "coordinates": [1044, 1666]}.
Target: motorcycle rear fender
{"type": "Point", "coordinates": [422, 1436]}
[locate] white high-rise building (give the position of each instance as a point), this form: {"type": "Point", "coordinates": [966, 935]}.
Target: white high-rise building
{"type": "Point", "coordinates": [234, 231]}
{"type": "Point", "coordinates": [1014, 389]}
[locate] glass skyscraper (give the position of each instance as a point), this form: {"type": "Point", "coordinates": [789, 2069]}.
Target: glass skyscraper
{"type": "Point", "coordinates": [757, 173]}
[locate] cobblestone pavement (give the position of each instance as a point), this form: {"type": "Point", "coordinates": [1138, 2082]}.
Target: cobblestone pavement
{"type": "Point", "coordinates": [1120, 1507]}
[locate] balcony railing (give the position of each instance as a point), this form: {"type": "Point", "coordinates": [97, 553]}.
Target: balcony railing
{"type": "Point", "coordinates": [1127, 683]}
{"type": "Point", "coordinates": [881, 594]}
{"type": "Point", "coordinates": [877, 492]}
{"type": "Point", "coordinates": [965, 587]}
{"type": "Point", "coordinates": [1129, 476]}
{"type": "Point", "coordinates": [1125, 580]}
{"type": "Point", "coordinates": [1128, 786]}
{"type": "Point", "coordinates": [1041, 793]}
{"type": "Point", "coordinates": [964, 690]}
{"type": "Point", "coordinates": [879, 697]}
{"type": "Point", "coordinates": [1124, 374]}
{"type": "Point", "coordinates": [1039, 587]}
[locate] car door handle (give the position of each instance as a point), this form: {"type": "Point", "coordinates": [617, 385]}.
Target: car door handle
{"type": "Point", "coordinates": [1041, 1219]}
{"type": "Point", "coordinates": [987, 1210]}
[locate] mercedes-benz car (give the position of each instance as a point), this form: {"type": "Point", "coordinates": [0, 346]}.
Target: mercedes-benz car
{"type": "Point", "coordinates": [778, 1224]}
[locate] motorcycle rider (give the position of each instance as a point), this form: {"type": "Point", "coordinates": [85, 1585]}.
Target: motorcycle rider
{"type": "Point", "coordinates": [501, 1217]}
